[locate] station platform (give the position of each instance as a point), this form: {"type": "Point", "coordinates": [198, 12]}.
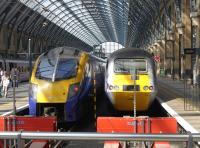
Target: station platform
{"type": "Point", "coordinates": [171, 97]}
{"type": "Point", "coordinates": [21, 95]}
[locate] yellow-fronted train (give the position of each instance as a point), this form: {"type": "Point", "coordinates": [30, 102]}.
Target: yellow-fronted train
{"type": "Point", "coordinates": [130, 70]}
{"type": "Point", "coordinates": [61, 84]}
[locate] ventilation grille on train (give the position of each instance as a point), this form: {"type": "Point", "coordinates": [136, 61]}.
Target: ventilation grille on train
{"type": "Point", "coordinates": [131, 87]}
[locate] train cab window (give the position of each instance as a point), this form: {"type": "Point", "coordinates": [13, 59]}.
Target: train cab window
{"type": "Point", "coordinates": [128, 65]}
{"type": "Point", "coordinates": [62, 69]}
{"type": "Point", "coordinates": [45, 68]}
{"type": "Point", "coordinates": [66, 68]}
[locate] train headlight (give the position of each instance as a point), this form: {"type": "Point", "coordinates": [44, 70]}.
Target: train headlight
{"type": "Point", "coordinates": [116, 87]}
{"type": "Point", "coordinates": [33, 89]}
{"type": "Point", "coordinates": [73, 90]}
{"type": "Point", "coordinates": [150, 87]}
{"type": "Point", "coordinates": [110, 87]}
{"type": "Point", "coordinates": [145, 87]}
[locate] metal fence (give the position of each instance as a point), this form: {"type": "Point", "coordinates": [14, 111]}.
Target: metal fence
{"type": "Point", "coordinates": [19, 136]}
{"type": "Point", "coordinates": [191, 96]}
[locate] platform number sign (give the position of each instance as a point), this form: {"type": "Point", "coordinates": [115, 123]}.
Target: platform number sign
{"type": "Point", "coordinates": [192, 51]}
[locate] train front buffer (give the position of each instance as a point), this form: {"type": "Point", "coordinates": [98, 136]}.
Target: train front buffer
{"type": "Point", "coordinates": [142, 125]}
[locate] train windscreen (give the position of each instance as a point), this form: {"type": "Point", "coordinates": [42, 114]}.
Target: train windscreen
{"type": "Point", "coordinates": [130, 65]}
{"type": "Point", "coordinates": [45, 68]}
{"type": "Point", "coordinates": [66, 68]}
{"type": "Point", "coordinates": [53, 69]}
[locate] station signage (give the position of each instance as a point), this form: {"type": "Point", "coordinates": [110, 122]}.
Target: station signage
{"type": "Point", "coordinates": [157, 58]}
{"type": "Point", "coordinates": [192, 51]}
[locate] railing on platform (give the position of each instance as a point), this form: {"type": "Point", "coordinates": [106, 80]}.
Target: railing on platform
{"type": "Point", "coordinates": [191, 96]}
{"type": "Point", "coordinates": [19, 136]}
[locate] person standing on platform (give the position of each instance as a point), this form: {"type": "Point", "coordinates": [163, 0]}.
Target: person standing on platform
{"type": "Point", "coordinates": [14, 76]}
{"type": "Point", "coordinates": [12, 73]}
{"type": "Point", "coordinates": [1, 72]}
{"type": "Point", "coordinates": [5, 83]}
{"type": "Point", "coordinates": [1, 75]}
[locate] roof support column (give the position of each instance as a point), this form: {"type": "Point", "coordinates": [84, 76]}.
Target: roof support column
{"type": "Point", "coordinates": [195, 34]}
{"type": "Point", "coordinates": [186, 31]}
{"type": "Point", "coordinates": [13, 43]}
{"type": "Point", "coordinates": [2, 40]}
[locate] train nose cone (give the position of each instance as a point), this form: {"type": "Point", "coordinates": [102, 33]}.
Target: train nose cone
{"type": "Point", "coordinates": [54, 92]}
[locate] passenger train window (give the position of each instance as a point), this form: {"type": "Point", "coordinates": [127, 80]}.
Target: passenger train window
{"type": "Point", "coordinates": [128, 65]}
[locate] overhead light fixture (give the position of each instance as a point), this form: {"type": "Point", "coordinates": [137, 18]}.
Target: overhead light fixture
{"type": "Point", "coordinates": [129, 23]}
{"type": "Point", "coordinates": [44, 24]}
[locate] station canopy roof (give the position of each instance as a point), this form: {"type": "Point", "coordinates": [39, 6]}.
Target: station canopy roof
{"type": "Point", "coordinates": [91, 21]}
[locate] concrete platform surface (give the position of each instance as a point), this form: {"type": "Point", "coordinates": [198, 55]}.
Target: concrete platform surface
{"type": "Point", "coordinates": [21, 95]}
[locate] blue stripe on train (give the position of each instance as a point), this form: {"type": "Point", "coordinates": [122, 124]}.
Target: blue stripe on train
{"type": "Point", "coordinates": [74, 105]}
{"type": "Point", "coordinates": [32, 106]}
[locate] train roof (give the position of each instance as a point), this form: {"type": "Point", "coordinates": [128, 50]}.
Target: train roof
{"type": "Point", "coordinates": [130, 52]}
{"type": "Point", "coordinates": [63, 52]}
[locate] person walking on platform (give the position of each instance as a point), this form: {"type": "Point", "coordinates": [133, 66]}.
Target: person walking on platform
{"type": "Point", "coordinates": [1, 75]}
{"type": "Point", "coordinates": [5, 83]}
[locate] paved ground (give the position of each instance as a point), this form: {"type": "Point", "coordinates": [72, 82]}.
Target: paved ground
{"type": "Point", "coordinates": [21, 95]}
{"type": "Point", "coordinates": [172, 93]}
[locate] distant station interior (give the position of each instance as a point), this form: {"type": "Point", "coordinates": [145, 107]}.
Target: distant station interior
{"type": "Point", "coordinates": [100, 73]}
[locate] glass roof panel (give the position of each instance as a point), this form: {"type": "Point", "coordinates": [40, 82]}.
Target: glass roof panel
{"type": "Point", "coordinates": [66, 1]}
{"type": "Point", "coordinates": [31, 3]}
{"type": "Point", "coordinates": [46, 3]}
{"type": "Point", "coordinates": [52, 8]}
{"type": "Point", "coordinates": [58, 4]}
{"type": "Point", "coordinates": [57, 12]}
{"type": "Point", "coordinates": [98, 21]}
{"type": "Point", "coordinates": [61, 15]}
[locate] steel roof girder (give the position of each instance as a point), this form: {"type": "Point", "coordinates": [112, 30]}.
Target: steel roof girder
{"type": "Point", "coordinates": [29, 23]}
{"type": "Point", "coordinates": [12, 12]}
{"type": "Point", "coordinates": [80, 21]}
{"type": "Point", "coordinates": [98, 23]}
{"type": "Point", "coordinates": [4, 5]}
{"type": "Point", "coordinates": [36, 25]}
{"type": "Point", "coordinates": [24, 16]}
